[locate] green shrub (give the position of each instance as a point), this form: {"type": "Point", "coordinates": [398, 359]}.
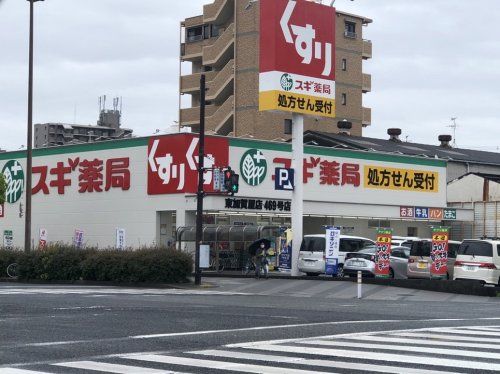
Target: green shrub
{"type": "Point", "coordinates": [7, 257]}
{"type": "Point", "coordinates": [68, 264]}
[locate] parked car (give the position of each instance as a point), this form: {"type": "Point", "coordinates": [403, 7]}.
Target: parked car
{"type": "Point", "coordinates": [313, 250]}
{"type": "Point", "coordinates": [364, 261]}
{"type": "Point", "coordinates": [405, 241]}
{"type": "Point", "coordinates": [419, 263]}
{"type": "Point", "coordinates": [479, 260]}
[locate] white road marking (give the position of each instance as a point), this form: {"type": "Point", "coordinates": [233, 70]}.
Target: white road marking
{"type": "Point", "coordinates": [310, 362]}
{"type": "Point", "coordinates": [20, 371]}
{"type": "Point", "coordinates": [384, 339]}
{"type": "Point", "coordinates": [446, 337]}
{"type": "Point", "coordinates": [113, 368]}
{"type": "Point", "coordinates": [377, 356]}
{"type": "Point", "coordinates": [465, 332]}
{"type": "Point", "coordinates": [219, 365]}
{"type": "Point", "coordinates": [489, 328]}
{"type": "Point", "coordinates": [439, 351]}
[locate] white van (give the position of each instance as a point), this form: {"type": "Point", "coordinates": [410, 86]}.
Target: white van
{"type": "Point", "coordinates": [313, 250]}
{"type": "Point", "coordinates": [478, 259]}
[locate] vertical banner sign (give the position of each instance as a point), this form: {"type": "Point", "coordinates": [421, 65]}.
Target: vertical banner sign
{"type": "Point", "coordinates": [120, 239]}
{"type": "Point", "coordinates": [383, 254]}
{"type": "Point", "coordinates": [8, 239]}
{"type": "Point", "coordinates": [297, 57]}
{"type": "Point", "coordinates": [285, 256]}
{"type": "Point", "coordinates": [42, 241]}
{"type": "Point", "coordinates": [332, 250]}
{"type": "Point", "coordinates": [78, 239]}
{"type": "Point", "coordinates": [439, 252]}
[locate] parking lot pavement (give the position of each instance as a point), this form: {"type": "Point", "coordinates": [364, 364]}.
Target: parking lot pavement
{"type": "Point", "coordinates": [333, 290]}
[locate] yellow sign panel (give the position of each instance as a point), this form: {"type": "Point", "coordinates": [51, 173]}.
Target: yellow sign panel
{"type": "Point", "coordinates": [440, 237]}
{"type": "Point", "coordinates": [380, 177]}
{"type": "Point", "coordinates": [293, 102]}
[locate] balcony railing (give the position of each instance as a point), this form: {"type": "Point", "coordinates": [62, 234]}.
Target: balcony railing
{"type": "Point", "coordinates": [191, 83]}
{"type": "Point", "coordinates": [220, 81]}
{"type": "Point", "coordinates": [218, 11]}
{"type": "Point", "coordinates": [367, 116]}
{"type": "Point", "coordinates": [223, 114]}
{"type": "Point", "coordinates": [350, 34]}
{"type": "Point", "coordinates": [367, 49]}
{"type": "Point", "coordinates": [213, 53]}
{"type": "Point", "coordinates": [191, 116]}
{"type": "Point", "coordinates": [367, 83]}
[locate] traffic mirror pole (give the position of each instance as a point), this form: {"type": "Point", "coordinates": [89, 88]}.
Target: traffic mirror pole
{"type": "Point", "coordinates": [298, 192]}
{"type": "Point", "coordinates": [200, 194]}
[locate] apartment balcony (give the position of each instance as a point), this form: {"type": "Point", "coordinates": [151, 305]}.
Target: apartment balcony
{"type": "Point", "coordinates": [220, 87]}
{"type": "Point", "coordinates": [222, 120]}
{"type": "Point", "coordinates": [367, 117]}
{"type": "Point", "coordinates": [191, 83]}
{"type": "Point", "coordinates": [191, 116]}
{"type": "Point", "coordinates": [367, 83]}
{"type": "Point", "coordinates": [218, 12]}
{"type": "Point", "coordinates": [192, 51]}
{"type": "Point", "coordinates": [193, 21]}
{"type": "Point", "coordinates": [221, 51]}
{"type": "Point", "coordinates": [367, 49]}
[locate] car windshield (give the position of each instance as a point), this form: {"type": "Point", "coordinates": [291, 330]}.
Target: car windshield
{"type": "Point", "coordinates": [313, 244]}
{"type": "Point", "coordinates": [370, 250]}
{"type": "Point", "coordinates": [476, 248]}
{"type": "Point", "coordinates": [421, 248]}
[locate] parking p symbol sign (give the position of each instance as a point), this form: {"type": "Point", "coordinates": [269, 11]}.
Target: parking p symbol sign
{"type": "Point", "coordinates": [284, 179]}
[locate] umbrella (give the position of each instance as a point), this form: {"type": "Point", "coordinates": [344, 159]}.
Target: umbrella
{"type": "Point", "coordinates": [252, 249]}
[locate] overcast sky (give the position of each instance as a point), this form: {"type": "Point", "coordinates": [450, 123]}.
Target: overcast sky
{"type": "Point", "coordinates": [432, 60]}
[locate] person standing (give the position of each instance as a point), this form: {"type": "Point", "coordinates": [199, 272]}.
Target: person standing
{"type": "Point", "coordinates": [261, 261]}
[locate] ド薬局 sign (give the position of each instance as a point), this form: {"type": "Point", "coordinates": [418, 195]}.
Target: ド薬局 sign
{"type": "Point", "coordinates": [297, 57]}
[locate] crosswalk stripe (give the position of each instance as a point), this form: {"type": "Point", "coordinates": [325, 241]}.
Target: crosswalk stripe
{"type": "Point", "coordinates": [438, 351]}
{"type": "Point", "coordinates": [20, 371]}
{"type": "Point", "coordinates": [451, 338]}
{"type": "Point", "coordinates": [113, 368]}
{"type": "Point", "coordinates": [311, 362]}
{"type": "Point", "coordinates": [468, 332]}
{"type": "Point", "coordinates": [219, 365]}
{"type": "Point", "coordinates": [385, 339]}
{"type": "Point", "coordinates": [490, 328]}
{"type": "Point", "coordinates": [377, 356]}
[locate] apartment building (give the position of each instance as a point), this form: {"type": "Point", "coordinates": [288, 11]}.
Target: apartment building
{"type": "Point", "coordinates": [223, 43]}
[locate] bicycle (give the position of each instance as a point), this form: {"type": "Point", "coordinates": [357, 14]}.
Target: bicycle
{"type": "Point", "coordinates": [249, 266]}
{"type": "Point", "coordinates": [12, 270]}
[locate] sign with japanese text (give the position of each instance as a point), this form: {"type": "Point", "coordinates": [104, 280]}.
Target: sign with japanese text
{"type": "Point", "coordinates": [449, 214]}
{"type": "Point", "coordinates": [78, 239]}
{"type": "Point", "coordinates": [418, 212]}
{"type": "Point", "coordinates": [258, 204]}
{"type": "Point", "coordinates": [439, 252]}
{"type": "Point", "coordinates": [120, 239]}
{"type": "Point", "coordinates": [421, 212]}
{"type": "Point", "coordinates": [297, 57]}
{"type": "Point", "coordinates": [173, 163]}
{"type": "Point", "coordinates": [383, 253]}
{"type": "Point", "coordinates": [8, 239]}
{"type": "Point", "coordinates": [401, 179]}
{"type": "Point", "coordinates": [407, 211]}
{"type": "Point", "coordinates": [42, 239]}
{"type": "Point", "coordinates": [332, 242]}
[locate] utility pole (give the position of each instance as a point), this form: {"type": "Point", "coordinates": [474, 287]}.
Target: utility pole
{"type": "Point", "coordinates": [200, 194]}
{"type": "Point", "coordinates": [29, 141]}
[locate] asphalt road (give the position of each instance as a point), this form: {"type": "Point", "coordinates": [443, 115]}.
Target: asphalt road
{"type": "Point", "coordinates": [245, 325]}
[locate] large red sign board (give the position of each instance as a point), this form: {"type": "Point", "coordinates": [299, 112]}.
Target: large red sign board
{"type": "Point", "coordinates": [439, 252]}
{"type": "Point", "coordinates": [297, 37]}
{"type": "Point", "coordinates": [173, 163]}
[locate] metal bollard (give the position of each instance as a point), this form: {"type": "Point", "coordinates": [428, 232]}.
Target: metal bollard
{"type": "Point", "coordinates": [359, 284]}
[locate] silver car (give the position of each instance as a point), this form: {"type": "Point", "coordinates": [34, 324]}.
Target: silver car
{"type": "Point", "coordinates": [364, 261]}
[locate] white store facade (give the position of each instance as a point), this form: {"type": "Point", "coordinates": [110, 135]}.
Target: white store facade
{"type": "Point", "coordinates": [145, 189]}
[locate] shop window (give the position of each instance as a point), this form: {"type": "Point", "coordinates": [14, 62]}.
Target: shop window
{"type": "Point", "coordinates": [377, 223]}
{"type": "Point", "coordinates": [344, 64]}
{"type": "Point", "coordinates": [412, 231]}
{"type": "Point", "coordinates": [194, 34]}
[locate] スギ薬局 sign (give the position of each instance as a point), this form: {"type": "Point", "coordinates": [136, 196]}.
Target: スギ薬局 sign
{"type": "Point", "coordinates": [297, 57]}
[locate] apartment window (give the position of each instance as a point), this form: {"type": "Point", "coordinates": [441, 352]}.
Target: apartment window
{"type": "Point", "coordinates": [344, 64]}
{"type": "Point", "coordinates": [350, 29]}
{"type": "Point", "coordinates": [214, 31]}
{"type": "Point", "coordinates": [194, 34]}
{"type": "Point", "coordinates": [344, 99]}
{"type": "Point", "coordinates": [206, 31]}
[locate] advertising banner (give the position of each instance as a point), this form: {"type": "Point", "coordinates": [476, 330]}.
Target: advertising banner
{"type": "Point", "coordinates": [285, 255]}
{"type": "Point", "coordinates": [42, 239]}
{"type": "Point", "coordinates": [78, 239]}
{"type": "Point", "coordinates": [120, 239]}
{"type": "Point", "coordinates": [383, 254]}
{"type": "Point", "coordinates": [8, 239]}
{"type": "Point", "coordinates": [297, 57]}
{"type": "Point", "coordinates": [439, 252]}
{"type": "Point", "coordinates": [332, 250]}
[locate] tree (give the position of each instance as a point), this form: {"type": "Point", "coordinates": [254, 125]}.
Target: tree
{"type": "Point", "coordinates": [3, 188]}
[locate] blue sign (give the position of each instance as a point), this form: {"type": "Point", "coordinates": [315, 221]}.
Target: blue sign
{"type": "Point", "coordinates": [331, 266]}
{"type": "Point", "coordinates": [284, 179]}
{"type": "Point", "coordinates": [421, 212]}
{"type": "Point", "coordinates": [285, 257]}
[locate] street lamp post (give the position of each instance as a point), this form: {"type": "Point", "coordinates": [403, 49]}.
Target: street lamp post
{"type": "Point", "coordinates": [29, 144]}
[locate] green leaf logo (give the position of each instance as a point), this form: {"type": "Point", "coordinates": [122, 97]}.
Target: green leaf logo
{"type": "Point", "coordinates": [253, 167]}
{"type": "Point", "coordinates": [14, 179]}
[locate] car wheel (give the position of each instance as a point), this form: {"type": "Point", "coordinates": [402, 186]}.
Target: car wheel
{"type": "Point", "coordinates": [312, 274]}
{"type": "Point", "coordinates": [391, 273]}
{"type": "Point", "coordinates": [340, 272]}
